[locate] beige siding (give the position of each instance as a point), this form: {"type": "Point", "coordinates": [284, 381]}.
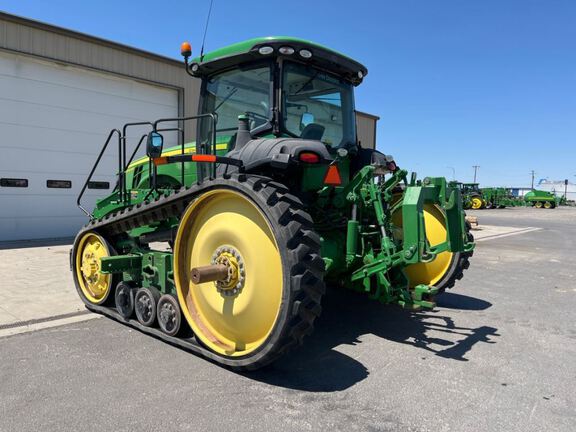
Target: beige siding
{"type": "Point", "coordinates": [53, 43]}
{"type": "Point", "coordinates": [366, 129]}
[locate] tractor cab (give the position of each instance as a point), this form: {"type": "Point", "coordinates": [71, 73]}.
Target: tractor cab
{"type": "Point", "coordinates": [295, 102]}
{"type": "Point", "coordinates": [286, 87]}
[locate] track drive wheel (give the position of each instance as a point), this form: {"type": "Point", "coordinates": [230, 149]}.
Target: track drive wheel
{"type": "Point", "coordinates": [538, 204]}
{"type": "Point", "coordinates": [92, 286]}
{"type": "Point", "coordinates": [145, 304]}
{"type": "Point", "coordinates": [269, 296]}
{"type": "Point", "coordinates": [169, 315]}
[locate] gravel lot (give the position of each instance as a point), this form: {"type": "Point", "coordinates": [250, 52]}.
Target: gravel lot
{"type": "Point", "coordinates": [496, 355]}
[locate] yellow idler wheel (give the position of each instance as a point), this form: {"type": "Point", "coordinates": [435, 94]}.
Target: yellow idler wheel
{"type": "Point", "coordinates": [93, 286]}
{"type": "Point", "coordinates": [477, 203]}
{"type": "Point", "coordinates": [432, 272]}
{"type": "Point", "coordinates": [538, 204]}
{"type": "Point", "coordinates": [443, 271]}
{"type": "Point", "coordinates": [263, 267]}
{"type": "Point", "coordinates": [547, 204]}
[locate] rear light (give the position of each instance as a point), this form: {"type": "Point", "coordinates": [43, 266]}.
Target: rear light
{"type": "Point", "coordinates": [332, 177]}
{"type": "Point", "coordinates": [309, 157]}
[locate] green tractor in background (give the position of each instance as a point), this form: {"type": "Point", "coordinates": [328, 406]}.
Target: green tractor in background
{"type": "Point", "coordinates": [273, 202]}
{"type": "Point", "coordinates": [471, 195]}
{"type": "Point", "coordinates": [541, 199]}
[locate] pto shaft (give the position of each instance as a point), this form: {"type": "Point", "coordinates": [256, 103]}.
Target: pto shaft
{"type": "Point", "coordinates": [209, 273]}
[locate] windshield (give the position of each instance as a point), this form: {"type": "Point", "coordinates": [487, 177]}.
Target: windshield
{"type": "Point", "coordinates": [317, 105]}
{"type": "Point", "coordinates": [236, 92]}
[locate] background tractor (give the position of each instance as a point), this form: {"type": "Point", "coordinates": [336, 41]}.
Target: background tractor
{"type": "Point", "coordinates": [471, 195]}
{"type": "Point", "coordinates": [275, 200]}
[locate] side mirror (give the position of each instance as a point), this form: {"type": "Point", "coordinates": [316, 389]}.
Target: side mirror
{"type": "Point", "coordinates": [154, 145]}
{"type": "Point", "coordinates": [306, 119]}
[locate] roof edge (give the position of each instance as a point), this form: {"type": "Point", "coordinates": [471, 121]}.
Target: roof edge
{"type": "Point", "coordinates": [40, 25]}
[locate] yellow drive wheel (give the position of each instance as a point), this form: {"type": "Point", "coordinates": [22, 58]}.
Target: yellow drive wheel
{"type": "Point", "coordinates": [538, 204]}
{"type": "Point", "coordinates": [246, 316]}
{"type": "Point", "coordinates": [447, 266]}
{"type": "Point", "coordinates": [92, 285]}
{"type": "Point", "coordinates": [477, 203]}
{"type": "Point", "coordinates": [547, 204]}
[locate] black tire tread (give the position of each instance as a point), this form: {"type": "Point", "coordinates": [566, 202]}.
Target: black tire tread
{"type": "Point", "coordinates": [456, 272]}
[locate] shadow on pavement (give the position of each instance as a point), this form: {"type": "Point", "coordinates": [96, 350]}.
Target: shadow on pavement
{"type": "Point", "coordinates": [461, 302]}
{"type": "Point", "coordinates": [347, 316]}
{"type": "Point", "coordinates": [23, 244]}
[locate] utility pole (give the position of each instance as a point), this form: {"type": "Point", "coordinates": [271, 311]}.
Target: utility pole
{"type": "Point", "coordinates": [475, 171]}
{"type": "Point", "coordinates": [453, 172]}
{"type": "Point", "coordinates": [532, 172]}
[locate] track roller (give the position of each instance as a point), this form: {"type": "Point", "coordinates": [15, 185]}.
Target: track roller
{"type": "Point", "coordinates": [146, 301]}
{"type": "Point", "coordinates": [169, 315]}
{"type": "Point", "coordinates": [124, 298]}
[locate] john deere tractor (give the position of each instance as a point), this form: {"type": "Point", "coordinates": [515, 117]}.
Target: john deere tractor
{"type": "Point", "coordinates": [274, 201]}
{"type": "Point", "coordinates": [472, 196]}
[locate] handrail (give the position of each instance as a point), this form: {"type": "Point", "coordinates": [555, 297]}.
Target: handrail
{"type": "Point", "coordinates": [135, 151]}
{"type": "Point", "coordinates": [214, 119]}
{"type": "Point", "coordinates": [123, 163]}
{"type": "Point", "coordinates": [78, 201]}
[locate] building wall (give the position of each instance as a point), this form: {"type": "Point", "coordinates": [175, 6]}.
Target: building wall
{"type": "Point", "coordinates": [366, 129]}
{"type": "Point", "coordinates": [42, 40]}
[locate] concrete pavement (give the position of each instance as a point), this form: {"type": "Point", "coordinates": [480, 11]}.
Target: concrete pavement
{"type": "Point", "coordinates": [497, 354]}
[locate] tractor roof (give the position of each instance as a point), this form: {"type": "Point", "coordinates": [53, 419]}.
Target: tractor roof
{"type": "Point", "coordinates": [251, 50]}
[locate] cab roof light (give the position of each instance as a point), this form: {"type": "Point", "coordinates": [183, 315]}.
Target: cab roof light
{"type": "Point", "coordinates": [286, 50]}
{"type": "Point", "coordinates": [265, 50]}
{"type": "Point", "coordinates": [332, 177]}
{"type": "Point", "coordinates": [309, 157]}
{"type": "Point", "coordinates": [305, 53]}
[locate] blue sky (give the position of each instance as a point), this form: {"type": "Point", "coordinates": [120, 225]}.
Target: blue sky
{"type": "Point", "coordinates": [456, 83]}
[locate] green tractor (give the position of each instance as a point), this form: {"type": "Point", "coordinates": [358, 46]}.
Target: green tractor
{"type": "Point", "coordinates": [273, 202]}
{"type": "Point", "coordinates": [541, 199]}
{"type": "Point", "coordinates": [471, 195]}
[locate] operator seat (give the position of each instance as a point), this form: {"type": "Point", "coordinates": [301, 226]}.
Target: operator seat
{"type": "Point", "coordinates": [313, 131]}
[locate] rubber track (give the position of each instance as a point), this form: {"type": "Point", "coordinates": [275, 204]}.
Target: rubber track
{"type": "Point", "coordinates": [303, 244]}
{"type": "Point", "coordinates": [457, 271]}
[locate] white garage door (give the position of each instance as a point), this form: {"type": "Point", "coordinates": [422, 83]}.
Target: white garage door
{"type": "Point", "coordinates": [54, 119]}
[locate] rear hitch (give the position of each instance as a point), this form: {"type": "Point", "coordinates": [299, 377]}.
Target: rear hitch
{"type": "Point", "coordinates": [421, 295]}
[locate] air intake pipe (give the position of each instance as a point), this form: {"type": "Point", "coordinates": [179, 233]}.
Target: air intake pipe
{"type": "Point", "coordinates": [243, 134]}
